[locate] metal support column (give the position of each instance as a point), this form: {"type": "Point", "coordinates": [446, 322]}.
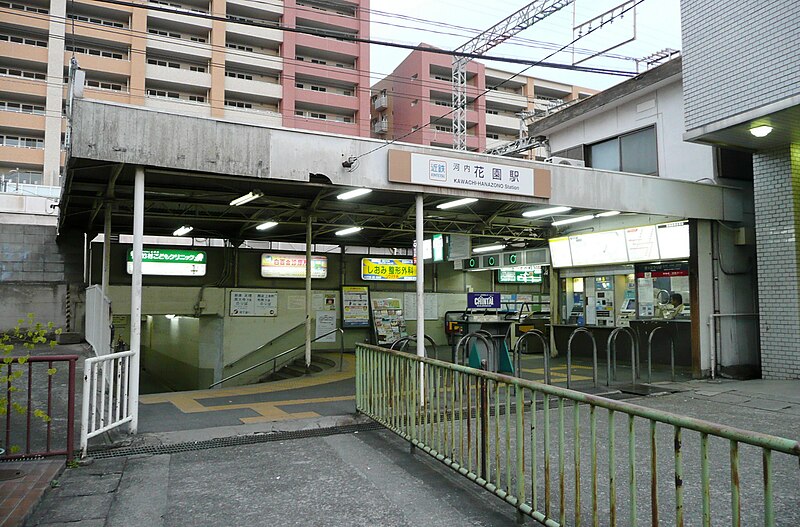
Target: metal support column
{"type": "Point", "coordinates": [106, 248]}
{"type": "Point", "coordinates": [308, 290]}
{"type": "Point", "coordinates": [136, 296]}
{"type": "Point", "coordinates": [420, 279]}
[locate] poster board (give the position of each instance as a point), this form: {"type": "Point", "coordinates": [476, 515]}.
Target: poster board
{"type": "Point", "coordinates": [431, 306]}
{"type": "Point", "coordinates": [253, 304]}
{"type": "Point", "coordinates": [355, 307]}
{"type": "Point", "coordinates": [389, 324]}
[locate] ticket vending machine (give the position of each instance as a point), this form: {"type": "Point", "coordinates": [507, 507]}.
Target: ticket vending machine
{"type": "Point", "coordinates": [604, 301]}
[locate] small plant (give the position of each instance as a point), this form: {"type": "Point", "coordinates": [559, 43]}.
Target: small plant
{"type": "Point", "coordinates": [26, 334]}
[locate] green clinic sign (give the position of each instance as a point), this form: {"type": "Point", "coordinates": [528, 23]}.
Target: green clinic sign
{"type": "Point", "coordinates": [520, 275]}
{"type": "Point", "coordinates": [171, 262]}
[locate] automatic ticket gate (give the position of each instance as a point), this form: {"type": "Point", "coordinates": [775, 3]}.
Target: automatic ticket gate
{"type": "Point", "coordinates": [486, 337]}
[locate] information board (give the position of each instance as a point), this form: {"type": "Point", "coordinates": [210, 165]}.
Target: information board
{"type": "Point", "coordinates": [642, 244]}
{"type": "Point", "coordinates": [560, 254]}
{"type": "Point", "coordinates": [673, 240]}
{"type": "Point", "coordinates": [292, 266]}
{"type": "Point", "coordinates": [598, 248]}
{"type": "Point", "coordinates": [253, 304]}
{"type": "Point", "coordinates": [431, 306]}
{"type": "Point", "coordinates": [524, 274]}
{"type": "Point", "coordinates": [355, 307]}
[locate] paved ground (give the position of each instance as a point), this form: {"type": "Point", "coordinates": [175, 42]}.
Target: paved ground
{"type": "Point", "coordinates": [369, 477]}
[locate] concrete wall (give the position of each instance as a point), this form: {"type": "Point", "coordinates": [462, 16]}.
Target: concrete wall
{"type": "Point", "coordinates": [776, 175]}
{"type": "Point", "coordinates": [738, 55]}
{"type": "Point", "coordinates": [662, 107]}
{"type": "Point", "coordinates": [36, 272]}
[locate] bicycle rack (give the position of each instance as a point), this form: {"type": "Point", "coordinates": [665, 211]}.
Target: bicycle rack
{"type": "Point", "coordinates": [484, 336]}
{"type": "Point", "coordinates": [403, 342]}
{"type": "Point", "coordinates": [650, 353]}
{"type": "Point", "coordinates": [545, 348]}
{"type": "Point", "coordinates": [569, 355]}
{"type": "Point", "coordinates": [611, 353]}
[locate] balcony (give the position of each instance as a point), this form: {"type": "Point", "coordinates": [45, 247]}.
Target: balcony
{"type": "Point", "coordinates": [178, 106]}
{"type": "Point", "coordinates": [181, 16]}
{"type": "Point", "coordinates": [257, 60]}
{"type": "Point", "coordinates": [14, 156]}
{"type": "Point", "coordinates": [262, 37]}
{"type": "Point", "coordinates": [26, 19]}
{"type": "Point", "coordinates": [249, 116]}
{"type": "Point", "coordinates": [177, 76]}
{"type": "Point", "coordinates": [21, 120]}
{"type": "Point", "coordinates": [380, 127]}
{"type": "Point", "coordinates": [259, 88]}
{"type": "Point", "coordinates": [23, 52]}
{"type": "Point", "coordinates": [381, 102]}
{"type": "Point", "coordinates": [502, 121]}
{"type": "Point", "coordinates": [175, 46]}
{"type": "Point", "coordinates": [517, 101]}
{"type": "Point", "coordinates": [259, 6]}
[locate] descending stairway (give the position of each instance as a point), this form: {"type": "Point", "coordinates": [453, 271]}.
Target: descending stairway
{"type": "Point", "coordinates": [297, 368]}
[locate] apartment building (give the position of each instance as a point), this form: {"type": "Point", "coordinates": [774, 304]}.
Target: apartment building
{"type": "Point", "coordinates": [414, 103]}
{"type": "Point", "coordinates": [229, 59]}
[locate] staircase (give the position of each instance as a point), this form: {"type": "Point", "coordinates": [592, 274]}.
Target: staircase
{"type": "Point", "coordinates": [297, 368]}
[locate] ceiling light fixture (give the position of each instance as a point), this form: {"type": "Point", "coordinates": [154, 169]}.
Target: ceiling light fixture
{"type": "Point", "coordinates": [545, 212]}
{"type": "Point", "coordinates": [606, 214]}
{"type": "Point", "coordinates": [185, 229]}
{"type": "Point", "coordinates": [350, 194]}
{"type": "Point", "coordinates": [266, 225]}
{"type": "Point", "coordinates": [761, 131]}
{"type": "Point", "coordinates": [349, 230]}
{"type": "Point", "coordinates": [489, 248]}
{"type": "Point", "coordinates": [247, 198]}
{"type": "Point", "coordinates": [456, 203]}
{"type": "Point", "coordinates": [576, 219]}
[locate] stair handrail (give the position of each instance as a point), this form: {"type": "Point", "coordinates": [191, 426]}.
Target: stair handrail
{"type": "Point", "coordinates": [274, 359]}
{"type": "Point", "coordinates": [264, 345]}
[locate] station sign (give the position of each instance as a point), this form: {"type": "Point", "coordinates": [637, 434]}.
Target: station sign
{"type": "Point", "coordinates": [483, 300]}
{"type": "Point", "coordinates": [170, 262]}
{"type": "Point", "coordinates": [469, 173]}
{"type": "Point", "coordinates": [388, 269]}
{"type": "Point", "coordinates": [292, 266]}
{"type": "Point", "coordinates": [492, 261]}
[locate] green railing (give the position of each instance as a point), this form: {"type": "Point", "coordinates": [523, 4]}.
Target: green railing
{"type": "Point", "coordinates": [517, 438]}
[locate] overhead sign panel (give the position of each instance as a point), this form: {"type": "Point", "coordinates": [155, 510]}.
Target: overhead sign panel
{"type": "Point", "coordinates": [560, 253]}
{"type": "Point", "coordinates": [468, 174]}
{"type": "Point", "coordinates": [388, 269]}
{"type": "Point", "coordinates": [598, 248]}
{"type": "Point", "coordinates": [171, 262]}
{"type": "Point", "coordinates": [483, 300]}
{"type": "Point", "coordinates": [642, 244]}
{"type": "Point", "coordinates": [524, 274]}
{"type": "Point", "coordinates": [673, 240]}
{"type": "Point", "coordinates": [292, 266]}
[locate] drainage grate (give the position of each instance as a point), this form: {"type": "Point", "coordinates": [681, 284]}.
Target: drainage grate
{"type": "Point", "coordinates": [232, 441]}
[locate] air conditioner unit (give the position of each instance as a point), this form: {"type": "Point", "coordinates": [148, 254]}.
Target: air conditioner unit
{"type": "Point", "coordinates": [565, 161]}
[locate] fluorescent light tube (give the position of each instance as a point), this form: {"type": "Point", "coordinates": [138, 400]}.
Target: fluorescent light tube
{"type": "Point", "coordinates": [489, 248]}
{"type": "Point", "coordinates": [180, 231]}
{"type": "Point", "coordinates": [576, 219]}
{"type": "Point", "coordinates": [247, 198]}
{"type": "Point", "coordinates": [354, 193]}
{"type": "Point", "coordinates": [266, 225]}
{"type": "Point", "coordinates": [607, 214]}
{"type": "Point", "coordinates": [545, 212]}
{"type": "Point", "coordinates": [349, 230]}
{"type": "Point", "coordinates": [456, 203]}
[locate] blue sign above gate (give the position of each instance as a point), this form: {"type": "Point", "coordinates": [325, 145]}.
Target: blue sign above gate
{"type": "Point", "coordinates": [483, 300]}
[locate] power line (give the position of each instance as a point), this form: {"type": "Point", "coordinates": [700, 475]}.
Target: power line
{"type": "Point", "coordinates": [504, 81]}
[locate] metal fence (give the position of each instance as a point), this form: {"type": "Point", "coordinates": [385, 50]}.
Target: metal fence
{"type": "Point", "coordinates": [33, 412]}
{"type": "Point", "coordinates": [106, 394]}
{"type": "Point", "coordinates": [553, 453]}
{"type": "Point", "coordinates": [98, 320]}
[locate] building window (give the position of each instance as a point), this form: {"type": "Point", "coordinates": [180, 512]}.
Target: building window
{"type": "Point", "coordinates": [635, 152]}
{"type": "Point", "coordinates": [238, 104]}
{"type": "Point", "coordinates": [21, 40]}
{"type": "Point", "coordinates": [197, 98]}
{"type": "Point", "coordinates": [164, 33]}
{"type": "Point", "coordinates": [163, 93]}
{"type": "Point", "coordinates": [21, 7]}
{"type": "Point", "coordinates": [240, 47]}
{"type": "Point", "coordinates": [93, 20]}
{"type": "Point", "coordinates": [198, 69]}
{"type": "Point", "coordinates": [22, 107]}
{"type": "Point", "coordinates": [13, 72]}
{"type": "Point", "coordinates": [21, 142]}
{"type": "Point", "coordinates": [237, 75]}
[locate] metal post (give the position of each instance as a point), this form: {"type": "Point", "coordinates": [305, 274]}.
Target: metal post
{"type": "Point", "coordinates": [136, 295]}
{"type": "Point", "coordinates": [420, 291]}
{"type": "Point", "coordinates": [106, 248]}
{"type": "Point", "coordinates": [308, 290]}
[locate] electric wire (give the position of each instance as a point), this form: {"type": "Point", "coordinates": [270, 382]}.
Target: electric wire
{"type": "Point", "coordinates": [487, 91]}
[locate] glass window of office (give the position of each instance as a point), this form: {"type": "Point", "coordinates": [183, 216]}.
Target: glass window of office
{"type": "Point", "coordinates": [635, 152]}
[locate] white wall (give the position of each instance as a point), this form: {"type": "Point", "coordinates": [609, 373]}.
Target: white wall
{"type": "Point", "coordinates": [662, 107]}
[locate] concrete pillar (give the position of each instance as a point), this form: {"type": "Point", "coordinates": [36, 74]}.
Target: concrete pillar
{"type": "Point", "coordinates": [55, 87]}
{"type": "Point", "coordinates": [776, 190]}
{"type": "Point", "coordinates": [210, 350]}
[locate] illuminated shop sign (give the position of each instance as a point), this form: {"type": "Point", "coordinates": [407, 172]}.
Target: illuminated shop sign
{"type": "Point", "coordinates": [170, 262]}
{"type": "Point", "coordinates": [483, 300]}
{"type": "Point", "coordinates": [292, 266]}
{"type": "Point", "coordinates": [388, 269]}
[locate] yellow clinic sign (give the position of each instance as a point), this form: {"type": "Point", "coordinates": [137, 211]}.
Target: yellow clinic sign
{"type": "Point", "coordinates": [388, 269]}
